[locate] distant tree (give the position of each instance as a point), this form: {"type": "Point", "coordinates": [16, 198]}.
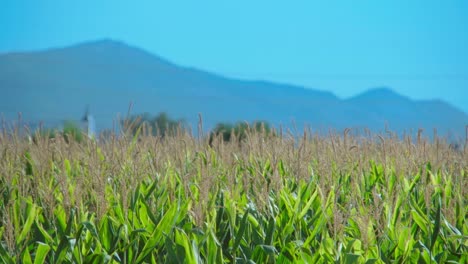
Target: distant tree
{"type": "Point", "coordinates": [43, 133]}
{"type": "Point", "coordinates": [160, 125]}
{"type": "Point", "coordinates": [223, 130]}
{"type": "Point", "coordinates": [71, 131]}
{"type": "Point", "coordinates": [239, 131]}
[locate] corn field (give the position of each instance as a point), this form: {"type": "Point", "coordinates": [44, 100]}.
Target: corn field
{"type": "Point", "coordinates": [285, 198]}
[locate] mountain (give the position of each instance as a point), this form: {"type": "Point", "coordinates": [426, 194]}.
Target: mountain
{"type": "Point", "coordinates": [402, 113]}
{"type": "Point", "coordinates": [58, 84]}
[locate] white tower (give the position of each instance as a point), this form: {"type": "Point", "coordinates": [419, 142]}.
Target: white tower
{"type": "Point", "coordinates": [90, 124]}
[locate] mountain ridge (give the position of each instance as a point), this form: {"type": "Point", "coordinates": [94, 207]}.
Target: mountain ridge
{"type": "Point", "coordinates": [108, 75]}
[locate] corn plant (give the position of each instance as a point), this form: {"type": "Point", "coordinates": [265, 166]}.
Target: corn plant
{"type": "Point", "coordinates": [267, 200]}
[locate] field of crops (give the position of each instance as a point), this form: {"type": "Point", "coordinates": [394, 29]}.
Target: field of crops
{"type": "Point", "coordinates": [268, 199]}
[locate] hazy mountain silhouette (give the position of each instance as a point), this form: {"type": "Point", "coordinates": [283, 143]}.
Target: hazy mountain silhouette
{"type": "Point", "coordinates": [58, 84]}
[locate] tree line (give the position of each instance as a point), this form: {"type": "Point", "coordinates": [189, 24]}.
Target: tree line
{"type": "Point", "coordinates": [160, 125]}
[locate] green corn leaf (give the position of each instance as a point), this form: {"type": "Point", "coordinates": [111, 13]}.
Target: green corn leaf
{"type": "Point", "coordinates": [67, 165]}
{"type": "Point", "coordinates": [414, 182]}
{"type": "Point", "coordinates": [95, 259]}
{"type": "Point", "coordinates": [26, 228]}
{"type": "Point", "coordinates": [253, 221]}
{"type": "Point", "coordinates": [351, 258]}
{"type": "Point", "coordinates": [374, 261]}
{"type": "Point", "coordinates": [270, 231]}
{"type": "Point", "coordinates": [421, 221]}
{"type": "Point", "coordinates": [62, 250]}
{"type": "Point", "coordinates": [41, 253]}
{"type": "Point", "coordinates": [214, 250]}
{"type": "Point", "coordinates": [44, 233]}
{"type": "Point", "coordinates": [172, 255]}
{"type": "Point", "coordinates": [196, 252]}
{"type": "Point", "coordinates": [396, 211]}
{"type": "Point", "coordinates": [69, 224]}
{"type": "Point", "coordinates": [61, 218]}
{"type": "Point", "coordinates": [453, 229]}
{"type": "Point", "coordinates": [164, 227]}
{"type": "Point", "coordinates": [5, 256]}
{"type": "Point", "coordinates": [436, 230]}
{"type": "Point", "coordinates": [240, 232]}
{"type": "Point", "coordinates": [268, 249]}
{"type": "Point", "coordinates": [308, 205]}
{"type": "Point", "coordinates": [182, 239]}
{"type": "Point", "coordinates": [91, 228]}
{"type": "Point", "coordinates": [106, 234]}
{"type": "Point", "coordinates": [27, 256]}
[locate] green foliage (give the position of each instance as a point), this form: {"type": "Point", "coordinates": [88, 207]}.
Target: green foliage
{"type": "Point", "coordinates": [44, 133]}
{"type": "Point", "coordinates": [239, 131]}
{"type": "Point", "coordinates": [54, 210]}
{"type": "Point", "coordinates": [71, 131]}
{"type": "Point", "coordinates": [159, 125]}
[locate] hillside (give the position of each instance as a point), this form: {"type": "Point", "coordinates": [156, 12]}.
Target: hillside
{"type": "Point", "coordinates": [58, 84]}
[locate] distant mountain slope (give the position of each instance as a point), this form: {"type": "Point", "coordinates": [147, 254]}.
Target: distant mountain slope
{"type": "Point", "coordinates": [57, 84]}
{"type": "Point", "coordinates": [402, 113]}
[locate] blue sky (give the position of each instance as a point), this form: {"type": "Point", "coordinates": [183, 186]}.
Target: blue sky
{"type": "Point", "coordinates": [417, 48]}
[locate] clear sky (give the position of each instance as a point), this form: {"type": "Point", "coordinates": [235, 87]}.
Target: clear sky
{"type": "Point", "coordinates": [417, 48]}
